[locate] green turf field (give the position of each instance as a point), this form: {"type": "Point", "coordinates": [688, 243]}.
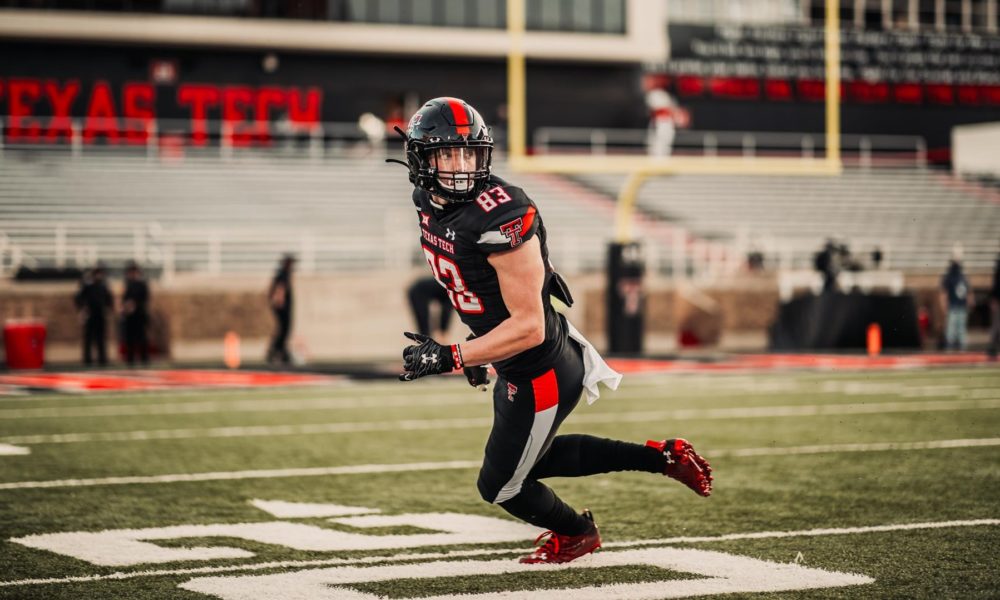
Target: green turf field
{"type": "Point", "coordinates": [873, 484]}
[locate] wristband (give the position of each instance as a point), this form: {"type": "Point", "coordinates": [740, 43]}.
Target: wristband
{"type": "Point", "coordinates": [456, 356]}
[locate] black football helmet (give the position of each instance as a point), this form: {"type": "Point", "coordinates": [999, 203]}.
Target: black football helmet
{"type": "Point", "coordinates": [449, 150]}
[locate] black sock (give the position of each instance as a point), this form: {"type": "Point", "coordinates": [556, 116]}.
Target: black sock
{"type": "Point", "coordinates": [539, 505]}
{"type": "Point", "coordinates": [579, 455]}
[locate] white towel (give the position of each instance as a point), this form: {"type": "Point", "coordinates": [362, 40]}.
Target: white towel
{"type": "Point", "coordinates": [595, 370]}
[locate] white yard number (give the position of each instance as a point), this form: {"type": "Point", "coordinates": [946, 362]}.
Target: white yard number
{"type": "Point", "coordinates": [447, 274]}
{"type": "Point", "coordinates": [719, 574]}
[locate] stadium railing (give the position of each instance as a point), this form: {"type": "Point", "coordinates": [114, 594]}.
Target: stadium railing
{"type": "Point", "coordinates": [863, 150]}
{"type": "Point", "coordinates": [216, 210]}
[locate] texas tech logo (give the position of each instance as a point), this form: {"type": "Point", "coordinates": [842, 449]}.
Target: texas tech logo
{"type": "Point", "coordinates": [511, 392]}
{"type": "Point", "coordinates": [414, 121]}
{"type": "Point", "coordinates": [512, 231]}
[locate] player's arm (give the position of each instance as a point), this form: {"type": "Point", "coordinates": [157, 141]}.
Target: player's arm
{"type": "Point", "coordinates": [521, 274]}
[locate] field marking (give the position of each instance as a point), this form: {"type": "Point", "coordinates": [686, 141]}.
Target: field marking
{"type": "Point", "coordinates": [717, 573]}
{"type": "Point", "coordinates": [251, 405]}
{"type": "Point", "coordinates": [869, 447]}
{"type": "Point", "coordinates": [292, 564]}
{"type": "Point", "coordinates": [759, 383]}
{"type": "Point", "coordinates": [464, 423]}
{"type": "Point", "coordinates": [250, 474]}
{"type": "Point", "coordinates": [9, 450]}
{"type": "Point", "coordinates": [134, 547]}
{"type": "Point", "coordinates": [471, 464]}
{"type": "Point", "coordinates": [228, 406]}
{"type": "Point", "coordinates": [306, 510]}
{"type": "Point", "coordinates": [759, 535]}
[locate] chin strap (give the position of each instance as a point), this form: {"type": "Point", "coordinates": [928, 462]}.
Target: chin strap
{"type": "Point", "coordinates": [402, 134]}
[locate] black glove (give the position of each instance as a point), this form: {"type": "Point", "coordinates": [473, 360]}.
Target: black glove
{"type": "Point", "coordinates": [427, 358]}
{"type": "Point", "coordinates": [478, 376]}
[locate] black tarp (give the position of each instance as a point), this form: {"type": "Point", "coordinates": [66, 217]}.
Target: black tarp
{"type": "Point", "coordinates": [840, 321]}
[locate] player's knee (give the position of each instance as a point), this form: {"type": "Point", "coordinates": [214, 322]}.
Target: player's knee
{"type": "Point", "coordinates": [487, 492]}
{"type": "Point", "coordinates": [491, 486]}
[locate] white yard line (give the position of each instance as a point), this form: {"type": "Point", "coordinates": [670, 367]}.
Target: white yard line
{"type": "Point", "coordinates": [469, 464]}
{"type": "Point", "coordinates": [252, 474]}
{"type": "Point", "coordinates": [464, 423]}
{"type": "Point", "coordinates": [8, 450]}
{"type": "Point", "coordinates": [428, 556]}
{"type": "Point", "coordinates": [759, 535]}
{"type": "Point", "coordinates": [231, 406]}
{"type": "Point", "coordinates": [872, 447]}
{"type": "Point", "coordinates": [449, 398]}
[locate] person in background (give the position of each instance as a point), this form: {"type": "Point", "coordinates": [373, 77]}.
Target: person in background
{"type": "Point", "coordinates": [280, 298]}
{"type": "Point", "coordinates": [664, 119]}
{"type": "Point", "coordinates": [877, 257]}
{"type": "Point", "coordinates": [994, 346]}
{"type": "Point", "coordinates": [135, 314]}
{"type": "Point", "coordinates": [92, 301]}
{"type": "Point", "coordinates": [956, 299]}
{"type": "Point", "coordinates": [421, 294]}
{"type": "Point", "coordinates": [827, 262]}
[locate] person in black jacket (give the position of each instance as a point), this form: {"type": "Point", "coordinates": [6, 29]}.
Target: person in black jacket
{"type": "Point", "coordinates": [92, 301]}
{"type": "Point", "coordinates": [280, 298]}
{"type": "Point", "coordinates": [135, 314]}
{"type": "Point", "coordinates": [421, 294]}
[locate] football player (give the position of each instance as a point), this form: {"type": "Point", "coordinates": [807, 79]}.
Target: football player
{"type": "Point", "coordinates": [485, 242]}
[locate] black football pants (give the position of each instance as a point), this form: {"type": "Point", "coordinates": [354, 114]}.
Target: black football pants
{"type": "Point", "coordinates": [523, 447]}
{"type": "Point", "coordinates": [135, 339]}
{"type": "Point", "coordinates": [278, 350]}
{"type": "Point", "coordinates": [94, 337]}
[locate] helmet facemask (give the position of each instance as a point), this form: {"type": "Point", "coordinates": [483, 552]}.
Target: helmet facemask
{"type": "Point", "coordinates": [448, 150]}
{"type": "Point", "coordinates": [459, 171]}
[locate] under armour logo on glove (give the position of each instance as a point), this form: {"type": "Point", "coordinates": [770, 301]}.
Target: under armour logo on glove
{"type": "Point", "coordinates": [428, 358]}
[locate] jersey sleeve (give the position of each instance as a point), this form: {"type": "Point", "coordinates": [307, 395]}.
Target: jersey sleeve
{"type": "Point", "coordinates": [510, 219]}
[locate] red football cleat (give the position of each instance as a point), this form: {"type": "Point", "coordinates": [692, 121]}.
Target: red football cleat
{"type": "Point", "coordinates": [685, 465]}
{"type": "Point", "coordinates": [564, 548]}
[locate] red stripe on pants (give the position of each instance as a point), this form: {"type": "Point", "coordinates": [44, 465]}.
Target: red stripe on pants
{"type": "Point", "coordinates": [546, 391]}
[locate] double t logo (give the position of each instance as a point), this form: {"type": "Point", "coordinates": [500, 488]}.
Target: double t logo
{"type": "Point", "coordinates": [512, 231]}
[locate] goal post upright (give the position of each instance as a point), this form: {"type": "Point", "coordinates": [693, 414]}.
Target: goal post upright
{"type": "Point", "coordinates": [517, 125]}
{"type": "Point", "coordinates": [832, 54]}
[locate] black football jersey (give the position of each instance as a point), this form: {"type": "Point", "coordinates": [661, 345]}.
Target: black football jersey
{"type": "Point", "coordinates": [458, 238]}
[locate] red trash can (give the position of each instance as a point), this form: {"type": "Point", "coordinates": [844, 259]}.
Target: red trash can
{"type": "Point", "coordinates": [24, 340]}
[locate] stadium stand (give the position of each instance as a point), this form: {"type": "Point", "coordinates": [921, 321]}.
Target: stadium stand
{"type": "Point", "coordinates": [915, 215]}
{"type": "Point", "coordinates": [216, 215]}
